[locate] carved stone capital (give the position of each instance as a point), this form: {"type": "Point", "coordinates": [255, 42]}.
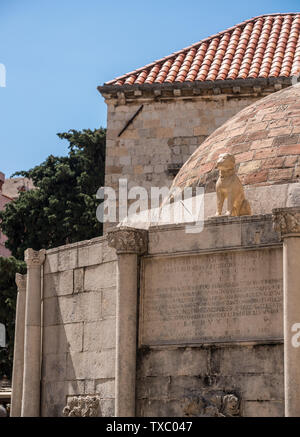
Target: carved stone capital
{"type": "Point", "coordinates": [128, 240]}
{"type": "Point", "coordinates": [21, 281]}
{"type": "Point", "coordinates": [34, 258]}
{"type": "Point", "coordinates": [286, 220]}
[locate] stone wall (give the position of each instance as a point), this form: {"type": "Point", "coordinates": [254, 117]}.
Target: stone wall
{"type": "Point", "coordinates": [211, 320]}
{"type": "Point", "coordinates": [78, 325]}
{"type": "Point", "coordinates": [170, 379]}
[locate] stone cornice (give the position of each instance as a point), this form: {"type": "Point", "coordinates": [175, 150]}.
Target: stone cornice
{"type": "Point", "coordinates": [120, 95]}
{"type": "Point", "coordinates": [21, 281]}
{"type": "Point", "coordinates": [128, 240]}
{"type": "Point", "coordinates": [34, 258]}
{"type": "Point", "coordinates": [287, 221]}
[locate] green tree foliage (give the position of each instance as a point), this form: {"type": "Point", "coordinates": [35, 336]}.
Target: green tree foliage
{"type": "Point", "coordinates": [8, 292]}
{"type": "Point", "coordinates": [63, 207]}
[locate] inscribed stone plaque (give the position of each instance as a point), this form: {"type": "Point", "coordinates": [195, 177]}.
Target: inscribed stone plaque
{"type": "Point", "coordinates": [2, 335]}
{"type": "Point", "coordinates": [220, 297]}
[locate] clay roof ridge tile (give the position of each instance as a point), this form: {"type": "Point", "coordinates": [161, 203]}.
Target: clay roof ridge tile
{"type": "Point", "coordinates": [241, 36]}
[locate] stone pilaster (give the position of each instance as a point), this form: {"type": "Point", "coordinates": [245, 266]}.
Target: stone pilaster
{"type": "Point", "coordinates": [129, 244]}
{"type": "Point", "coordinates": [18, 365]}
{"type": "Point", "coordinates": [287, 222]}
{"type": "Point", "coordinates": [32, 341]}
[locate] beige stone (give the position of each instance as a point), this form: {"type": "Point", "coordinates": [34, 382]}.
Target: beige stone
{"type": "Point", "coordinates": [54, 367]}
{"type": "Point", "coordinates": [67, 259]}
{"type": "Point", "coordinates": [73, 308]}
{"type": "Point", "coordinates": [78, 280]}
{"type": "Point", "coordinates": [58, 284]}
{"type": "Point", "coordinates": [108, 303]}
{"type": "Point", "coordinates": [263, 409]}
{"type": "Point", "coordinates": [100, 276]}
{"type": "Point", "coordinates": [51, 263]}
{"type": "Point", "coordinates": [59, 339]}
{"type": "Point", "coordinates": [105, 388]}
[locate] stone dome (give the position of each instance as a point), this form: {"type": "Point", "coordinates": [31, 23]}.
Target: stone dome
{"type": "Point", "coordinates": [264, 138]}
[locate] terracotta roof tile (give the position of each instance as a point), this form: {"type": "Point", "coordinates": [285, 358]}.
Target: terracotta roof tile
{"type": "Point", "coordinates": [265, 46]}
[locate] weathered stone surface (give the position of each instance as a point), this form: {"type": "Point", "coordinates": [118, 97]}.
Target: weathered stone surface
{"type": "Point", "coordinates": [58, 284]}
{"type": "Point", "coordinates": [175, 240]}
{"type": "Point", "coordinates": [109, 302]}
{"type": "Point", "coordinates": [105, 388]}
{"type": "Point", "coordinates": [81, 307]}
{"type": "Point", "coordinates": [76, 387]}
{"type": "Point", "coordinates": [107, 407]}
{"type": "Point", "coordinates": [249, 372]}
{"type": "Point", "coordinates": [157, 408]}
{"type": "Point", "coordinates": [212, 298]}
{"type": "Point", "coordinates": [217, 233]}
{"type": "Point", "coordinates": [99, 335]}
{"type": "Point", "coordinates": [100, 276]}
{"type": "Point", "coordinates": [168, 362]}
{"type": "Point", "coordinates": [54, 367]}
{"type": "Point", "coordinates": [293, 195]}
{"type": "Point", "coordinates": [258, 231]}
{"type": "Point", "coordinates": [58, 339]}
{"type": "Point", "coordinates": [90, 255]}
{"type": "Point", "coordinates": [263, 409]}
{"type": "Point", "coordinates": [257, 358]}
{"type": "Point", "coordinates": [51, 263]}
{"type": "Point", "coordinates": [91, 365]}
{"type": "Point", "coordinates": [67, 258]}
{"type": "Point", "coordinates": [78, 280]}
{"type": "Point", "coordinates": [54, 395]}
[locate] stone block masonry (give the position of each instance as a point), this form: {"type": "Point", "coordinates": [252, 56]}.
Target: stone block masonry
{"type": "Point", "coordinates": [79, 326]}
{"type": "Point", "coordinates": [162, 137]}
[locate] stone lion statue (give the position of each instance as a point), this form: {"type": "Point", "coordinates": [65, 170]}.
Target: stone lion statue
{"type": "Point", "coordinates": [229, 187]}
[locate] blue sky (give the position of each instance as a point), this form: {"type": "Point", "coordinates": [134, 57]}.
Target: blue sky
{"type": "Point", "coordinates": [57, 52]}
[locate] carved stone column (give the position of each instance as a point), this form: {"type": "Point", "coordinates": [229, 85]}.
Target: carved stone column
{"type": "Point", "coordinates": [32, 345]}
{"type": "Point", "coordinates": [287, 222]}
{"type": "Point", "coordinates": [18, 366]}
{"type": "Point", "coordinates": [129, 244]}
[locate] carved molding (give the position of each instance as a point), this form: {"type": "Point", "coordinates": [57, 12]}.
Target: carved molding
{"type": "Point", "coordinates": [21, 281]}
{"type": "Point", "coordinates": [34, 258]}
{"type": "Point", "coordinates": [82, 406]}
{"type": "Point", "coordinates": [286, 220]}
{"type": "Point", "coordinates": [128, 240]}
{"type": "Point", "coordinates": [213, 404]}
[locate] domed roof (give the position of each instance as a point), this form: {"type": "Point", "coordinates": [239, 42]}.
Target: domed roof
{"type": "Point", "coordinates": [264, 138]}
